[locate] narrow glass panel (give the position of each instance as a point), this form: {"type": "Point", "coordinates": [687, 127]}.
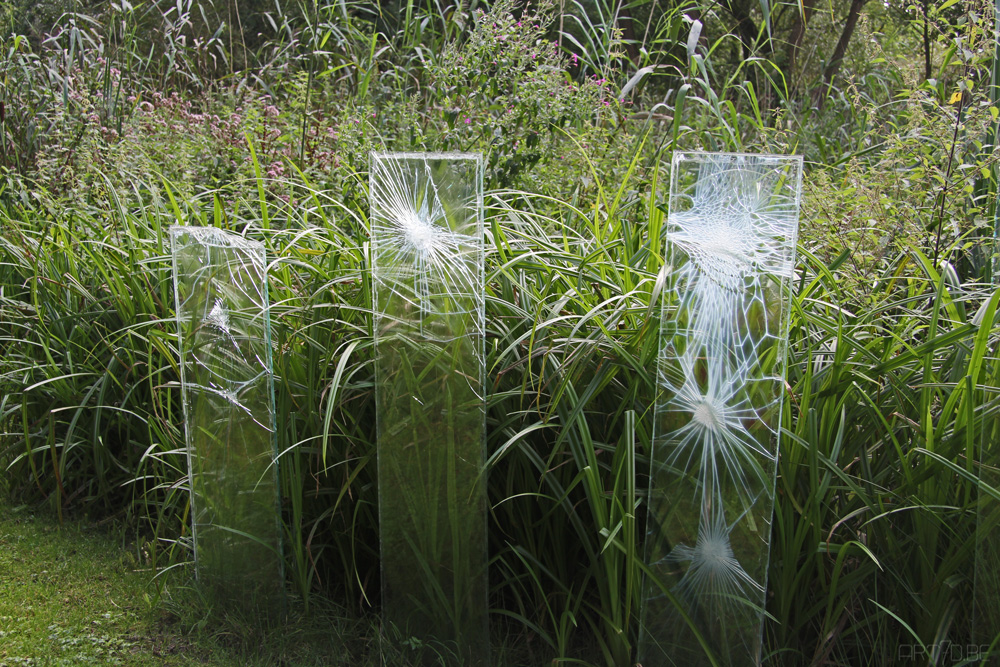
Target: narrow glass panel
{"type": "Point", "coordinates": [986, 597]}
{"type": "Point", "coordinates": [220, 287]}
{"type": "Point", "coordinates": [428, 283]}
{"type": "Point", "coordinates": [732, 226]}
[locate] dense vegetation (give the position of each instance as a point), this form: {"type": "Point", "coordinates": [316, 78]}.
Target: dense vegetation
{"type": "Point", "coordinates": [119, 119]}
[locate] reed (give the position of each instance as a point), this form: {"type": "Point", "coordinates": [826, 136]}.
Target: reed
{"type": "Point", "coordinates": [891, 369]}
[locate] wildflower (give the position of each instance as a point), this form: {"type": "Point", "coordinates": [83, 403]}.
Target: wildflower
{"type": "Point", "coordinates": [275, 170]}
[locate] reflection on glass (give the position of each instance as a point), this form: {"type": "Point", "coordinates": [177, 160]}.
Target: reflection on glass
{"type": "Point", "coordinates": [428, 284]}
{"type": "Point", "coordinates": [220, 287]}
{"type": "Point", "coordinates": [732, 227]}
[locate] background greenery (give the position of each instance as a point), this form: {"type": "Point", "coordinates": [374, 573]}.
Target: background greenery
{"type": "Point", "coordinates": [119, 119]}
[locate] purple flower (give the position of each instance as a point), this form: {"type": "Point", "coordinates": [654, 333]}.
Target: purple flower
{"type": "Point", "coordinates": [275, 170]}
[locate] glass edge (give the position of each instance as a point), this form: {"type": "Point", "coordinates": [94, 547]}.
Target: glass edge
{"type": "Point", "coordinates": [176, 230]}
{"type": "Point", "coordinates": [691, 155]}
{"type": "Point", "coordinates": [447, 155]}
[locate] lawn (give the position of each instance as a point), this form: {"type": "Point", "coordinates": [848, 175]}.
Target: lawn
{"type": "Point", "coordinates": [75, 594]}
{"type": "Point", "coordinates": [119, 120]}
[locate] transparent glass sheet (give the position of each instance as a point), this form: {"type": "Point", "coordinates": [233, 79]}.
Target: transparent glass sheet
{"type": "Point", "coordinates": [732, 227]}
{"type": "Point", "coordinates": [220, 287]}
{"type": "Point", "coordinates": [428, 283]}
{"type": "Point", "coordinates": [986, 598]}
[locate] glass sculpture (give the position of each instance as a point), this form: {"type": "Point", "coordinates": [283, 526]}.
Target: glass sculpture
{"type": "Point", "coordinates": [986, 595]}
{"type": "Point", "coordinates": [986, 599]}
{"type": "Point", "coordinates": [732, 227]}
{"type": "Point", "coordinates": [427, 259]}
{"type": "Point", "coordinates": [224, 339]}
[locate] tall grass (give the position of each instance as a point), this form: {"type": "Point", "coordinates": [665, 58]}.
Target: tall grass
{"type": "Point", "coordinates": [891, 372]}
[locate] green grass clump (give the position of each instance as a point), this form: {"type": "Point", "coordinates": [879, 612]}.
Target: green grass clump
{"type": "Point", "coordinates": [122, 123]}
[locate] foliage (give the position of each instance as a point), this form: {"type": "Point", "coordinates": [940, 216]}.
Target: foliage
{"type": "Point", "coordinates": [117, 124]}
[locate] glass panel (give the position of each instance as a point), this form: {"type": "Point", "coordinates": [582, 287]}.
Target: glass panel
{"type": "Point", "coordinates": [732, 226]}
{"type": "Point", "coordinates": [220, 287]}
{"type": "Point", "coordinates": [986, 598]}
{"type": "Point", "coordinates": [428, 282]}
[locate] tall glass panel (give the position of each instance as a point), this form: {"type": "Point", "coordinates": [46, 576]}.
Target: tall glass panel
{"type": "Point", "coordinates": [428, 290]}
{"type": "Point", "coordinates": [986, 600]}
{"type": "Point", "coordinates": [986, 597]}
{"type": "Point", "coordinates": [732, 227]}
{"type": "Point", "coordinates": [224, 338]}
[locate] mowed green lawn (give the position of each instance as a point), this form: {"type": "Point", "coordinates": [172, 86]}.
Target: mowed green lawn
{"type": "Point", "coordinates": [73, 595]}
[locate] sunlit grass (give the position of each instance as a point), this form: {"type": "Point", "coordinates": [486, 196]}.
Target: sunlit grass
{"type": "Point", "coordinates": [890, 384]}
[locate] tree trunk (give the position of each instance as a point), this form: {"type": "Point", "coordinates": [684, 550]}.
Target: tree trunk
{"type": "Point", "coordinates": [796, 38]}
{"type": "Point", "coordinates": [833, 66]}
{"type": "Point", "coordinates": [625, 24]}
{"type": "Point", "coordinates": [927, 42]}
{"type": "Point", "coordinates": [746, 28]}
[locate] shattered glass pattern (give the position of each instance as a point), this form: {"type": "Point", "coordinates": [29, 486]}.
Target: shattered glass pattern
{"type": "Point", "coordinates": [732, 228]}
{"type": "Point", "coordinates": [427, 255]}
{"type": "Point", "coordinates": [220, 287]}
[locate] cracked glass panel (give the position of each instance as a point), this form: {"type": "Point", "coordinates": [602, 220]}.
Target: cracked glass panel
{"type": "Point", "coordinates": [428, 289]}
{"type": "Point", "coordinates": [732, 227]}
{"type": "Point", "coordinates": [220, 287]}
